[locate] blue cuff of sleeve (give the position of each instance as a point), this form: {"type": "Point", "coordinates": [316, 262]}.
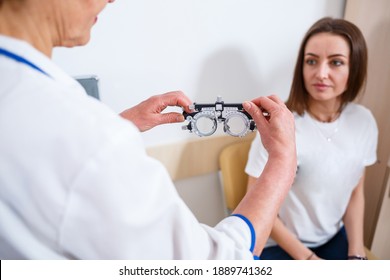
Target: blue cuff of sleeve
{"type": "Point", "coordinates": [253, 233]}
{"type": "Point", "coordinates": [256, 258]}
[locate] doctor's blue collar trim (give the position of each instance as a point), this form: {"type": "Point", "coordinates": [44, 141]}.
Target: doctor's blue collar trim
{"type": "Point", "coordinates": [251, 228]}
{"type": "Point", "coordinates": [21, 60]}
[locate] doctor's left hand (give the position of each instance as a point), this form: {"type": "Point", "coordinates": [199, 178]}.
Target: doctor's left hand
{"type": "Point", "coordinates": [148, 113]}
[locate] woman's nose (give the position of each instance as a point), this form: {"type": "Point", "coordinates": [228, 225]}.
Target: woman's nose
{"type": "Point", "coordinates": [323, 71]}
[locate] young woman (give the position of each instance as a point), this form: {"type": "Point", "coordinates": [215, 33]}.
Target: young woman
{"type": "Point", "coordinates": [322, 216]}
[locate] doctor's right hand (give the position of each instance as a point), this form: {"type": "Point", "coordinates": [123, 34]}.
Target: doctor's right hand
{"type": "Point", "coordinates": [148, 113]}
{"type": "Point", "coordinates": [277, 129]}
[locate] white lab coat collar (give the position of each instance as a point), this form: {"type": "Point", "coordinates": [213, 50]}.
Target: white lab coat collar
{"type": "Point", "coordinates": [27, 51]}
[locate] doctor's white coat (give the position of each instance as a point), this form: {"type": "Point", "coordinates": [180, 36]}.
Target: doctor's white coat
{"type": "Point", "coordinates": [75, 181]}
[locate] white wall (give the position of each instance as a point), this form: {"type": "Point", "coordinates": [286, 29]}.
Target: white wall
{"type": "Point", "coordinates": [239, 49]}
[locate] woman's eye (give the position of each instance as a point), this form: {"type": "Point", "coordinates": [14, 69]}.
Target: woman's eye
{"type": "Point", "coordinates": [310, 61]}
{"type": "Point", "coordinates": [337, 62]}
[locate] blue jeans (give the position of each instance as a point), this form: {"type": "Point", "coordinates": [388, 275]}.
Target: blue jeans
{"type": "Point", "coordinates": [334, 249]}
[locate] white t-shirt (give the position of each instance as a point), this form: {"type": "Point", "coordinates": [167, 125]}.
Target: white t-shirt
{"type": "Point", "coordinates": [76, 182]}
{"type": "Point", "coordinates": [331, 160]}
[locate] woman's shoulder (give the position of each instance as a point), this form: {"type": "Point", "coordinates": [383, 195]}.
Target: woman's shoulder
{"type": "Point", "coordinates": [298, 116]}
{"type": "Point", "coordinates": [358, 111]}
{"type": "Point", "coordinates": [359, 117]}
{"type": "Point", "coordinates": [301, 119]}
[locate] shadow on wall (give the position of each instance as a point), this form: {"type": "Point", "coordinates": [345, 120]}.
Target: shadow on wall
{"type": "Point", "coordinates": [230, 74]}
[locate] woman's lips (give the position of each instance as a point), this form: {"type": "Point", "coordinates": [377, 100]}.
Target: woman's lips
{"type": "Point", "coordinates": [320, 86]}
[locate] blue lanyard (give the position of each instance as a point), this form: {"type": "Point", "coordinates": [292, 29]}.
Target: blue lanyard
{"type": "Point", "coordinates": [21, 60]}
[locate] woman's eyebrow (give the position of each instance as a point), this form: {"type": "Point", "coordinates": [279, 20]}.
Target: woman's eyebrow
{"type": "Point", "coordinates": [311, 54]}
{"type": "Point", "coordinates": [332, 55]}
{"type": "Point", "coordinates": [338, 54]}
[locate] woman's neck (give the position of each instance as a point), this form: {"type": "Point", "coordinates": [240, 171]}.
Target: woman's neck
{"type": "Point", "coordinates": [18, 22]}
{"type": "Point", "coordinates": [324, 111]}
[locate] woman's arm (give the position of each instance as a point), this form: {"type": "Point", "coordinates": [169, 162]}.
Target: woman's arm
{"type": "Point", "coordinates": [353, 221]}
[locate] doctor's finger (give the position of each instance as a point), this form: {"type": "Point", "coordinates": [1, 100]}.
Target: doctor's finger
{"type": "Point", "coordinates": [265, 102]}
{"type": "Point", "coordinates": [176, 98]}
{"type": "Point", "coordinates": [256, 112]}
{"type": "Point", "coordinates": [172, 117]}
{"type": "Point", "coordinates": [270, 105]}
{"type": "Point", "coordinates": [277, 99]}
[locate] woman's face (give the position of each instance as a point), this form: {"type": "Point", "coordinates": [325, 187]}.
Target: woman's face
{"type": "Point", "coordinates": [326, 67]}
{"type": "Point", "coordinates": [74, 20]}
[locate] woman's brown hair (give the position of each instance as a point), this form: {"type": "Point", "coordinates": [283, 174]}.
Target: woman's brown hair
{"type": "Point", "coordinates": [298, 99]}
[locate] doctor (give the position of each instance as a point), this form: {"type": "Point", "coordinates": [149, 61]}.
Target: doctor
{"type": "Point", "coordinates": [75, 181]}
